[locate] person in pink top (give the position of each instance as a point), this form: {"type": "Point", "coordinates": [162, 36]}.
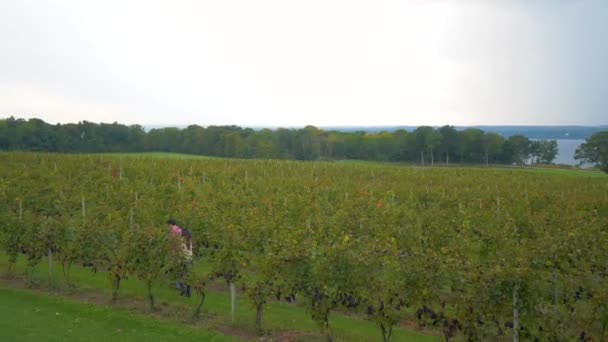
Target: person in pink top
{"type": "Point", "coordinates": [177, 233]}
{"type": "Point", "coordinates": [175, 230]}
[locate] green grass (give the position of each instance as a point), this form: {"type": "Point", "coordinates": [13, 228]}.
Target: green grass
{"type": "Point", "coordinates": [533, 169]}
{"type": "Point", "coordinates": [568, 172]}
{"type": "Point", "coordinates": [32, 316]}
{"type": "Point", "coordinates": [157, 155]}
{"type": "Point", "coordinates": [277, 316]}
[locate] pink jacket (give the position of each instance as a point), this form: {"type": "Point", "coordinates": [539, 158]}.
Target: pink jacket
{"type": "Point", "coordinates": [176, 231]}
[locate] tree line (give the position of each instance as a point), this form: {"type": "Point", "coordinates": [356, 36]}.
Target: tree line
{"type": "Point", "coordinates": [425, 144]}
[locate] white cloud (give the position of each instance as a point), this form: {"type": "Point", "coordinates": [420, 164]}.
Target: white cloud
{"type": "Point", "coordinates": [296, 63]}
{"type": "Point", "coordinates": [54, 107]}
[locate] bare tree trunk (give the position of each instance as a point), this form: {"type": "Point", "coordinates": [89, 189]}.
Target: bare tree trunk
{"type": "Point", "coordinates": [387, 332]}
{"type": "Point", "coordinates": [258, 318]}
{"type": "Point", "coordinates": [197, 311]}
{"type": "Point", "coordinates": [422, 157]}
{"type": "Point", "coordinates": [150, 296]}
{"type": "Point", "coordinates": [66, 265]}
{"type": "Point", "coordinates": [115, 287]}
{"type": "Point", "coordinates": [327, 328]}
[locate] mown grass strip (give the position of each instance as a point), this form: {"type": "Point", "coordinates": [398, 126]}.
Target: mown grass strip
{"type": "Point", "coordinates": [278, 317]}
{"type": "Point", "coordinates": [34, 316]}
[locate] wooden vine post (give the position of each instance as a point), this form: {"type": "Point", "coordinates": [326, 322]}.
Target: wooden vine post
{"type": "Point", "coordinates": [497, 205]}
{"type": "Point", "coordinates": [83, 209]}
{"type": "Point", "coordinates": [232, 300]}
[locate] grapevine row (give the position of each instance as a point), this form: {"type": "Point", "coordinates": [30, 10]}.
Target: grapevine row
{"type": "Point", "coordinates": [478, 253]}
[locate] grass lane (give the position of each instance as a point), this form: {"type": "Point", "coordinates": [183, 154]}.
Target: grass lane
{"type": "Point", "coordinates": [33, 316]}
{"type": "Point", "coordinates": [534, 169]}
{"type": "Point", "coordinates": [278, 317]}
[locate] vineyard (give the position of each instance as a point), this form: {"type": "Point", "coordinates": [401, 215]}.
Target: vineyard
{"type": "Point", "coordinates": [477, 254]}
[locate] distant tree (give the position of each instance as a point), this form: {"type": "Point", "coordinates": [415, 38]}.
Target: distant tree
{"type": "Point", "coordinates": [449, 142]}
{"type": "Point", "coordinates": [545, 151]}
{"type": "Point", "coordinates": [471, 145]}
{"type": "Point", "coordinates": [191, 139]}
{"type": "Point", "coordinates": [308, 146]}
{"type": "Point", "coordinates": [492, 145]}
{"type": "Point", "coordinates": [426, 139]}
{"type": "Point", "coordinates": [286, 142]}
{"type": "Point", "coordinates": [403, 149]}
{"type": "Point", "coordinates": [432, 141]}
{"type": "Point", "coordinates": [264, 145]}
{"type": "Point", "coordinates": [517, 149]}
{"type": "Point", "coordinates": [163, 139]}
{"type": "Point", "coordinates": [370, 149]}
{"type": "Point", "coordinates": [379, 146]}
{"type": "Point", "coordinates": [329, 145]}
{"type": "Point", "coordinates": [535, 148]}
{"type": "Point", "coordinates": [387, 144]}
{"type": "Point", "coordinates": [309, 143]}
{"type": "Point", "coordinates": [351, 144]}
{"type": "Point", "coordinates": [594, 150]}
{"type": "Point", "coordinates": [5, 139]}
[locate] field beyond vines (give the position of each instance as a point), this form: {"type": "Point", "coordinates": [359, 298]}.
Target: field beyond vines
{"type": "Point", "coordinates": [468, 253]}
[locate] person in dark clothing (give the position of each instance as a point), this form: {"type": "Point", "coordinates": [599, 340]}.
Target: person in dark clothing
{"type": "Point", "coordinates": [186, 255]}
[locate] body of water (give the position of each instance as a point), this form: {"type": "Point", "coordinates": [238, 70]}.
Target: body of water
{"type": "Point", "coordinates": [566, 149]}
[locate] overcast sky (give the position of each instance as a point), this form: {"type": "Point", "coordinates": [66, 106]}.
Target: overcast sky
{"type": "Point", "coordinates": [293, 63]}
